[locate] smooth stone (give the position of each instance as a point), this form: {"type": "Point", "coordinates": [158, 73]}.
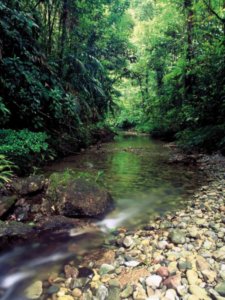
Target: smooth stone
{"type": "Point", "coordinates": [220, 254]}
{"type": "Point", "coordinates": [202, 263]}
{"type": "Point", "coordinates": [77, 293]}
{"type": "Point", "coordinates": [166, 225]}
{"type": "Point", "coordinates": [65, 297]}
{"type": "Point", "coordinates": [177, 236]}
{"type": "Point", "coordinates": [53, 289]}
{"type": "Point", "coordinates": [132, 263]}
{"type": "Point", "coordinates": [163, 272]}
{"type": "Point", "coordinates": [154, 281]}
{"type": "Point", "coordinates": [199, 292]}
{"type": "Point", "coordinates": [139, 293]}
{"type": "Point", "coordinates": [182, 290]}
{"type": "Point", "coordinates": [210, 276]}
{"type": "Point", "coordinates": [35, 290]}
{"type": "Point", "coordinates": [102, 292]}
{"type": "Point", "coordinates": [162, 245]}
{"type": "Point", "coordinates": [192, 277]}
{"type": "Point", "coordinates": [171, 295]}
{"type": "Point", "coordinates": [184, 265]}
{"type": "Point", "coordinates": [128, 242]}
{"type": "Point", "coordinates": [105, 269]}
{"type": "Point", "coordinates": [220, 288]}
{"type": "Point", "coordinates": [114, 293]}
{"type": "Point", "coordinates": [127, 292]}
{"type": "Point", "coordinates": [172, 282]}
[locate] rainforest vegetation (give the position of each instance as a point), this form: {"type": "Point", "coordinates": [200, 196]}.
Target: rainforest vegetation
{"type": "Point", "coordinates": [72, 67]}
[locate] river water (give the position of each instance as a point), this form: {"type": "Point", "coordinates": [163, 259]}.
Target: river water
{"type": "Point", "coordinates": [136, 171]}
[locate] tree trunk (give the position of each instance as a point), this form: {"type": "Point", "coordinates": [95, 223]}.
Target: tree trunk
{"type": "Point", "coordinates": [63, 38]}
{"type": "Point", "coordinates": [189, 78]}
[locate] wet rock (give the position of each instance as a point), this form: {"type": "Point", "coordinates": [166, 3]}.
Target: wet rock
{"type": "Point", "coordinates": [34, 291]}
{"type": "Point", "coordinates": [177, 237]}
{"type": "Point", "coordinates": [6, 203]}
{"type": "Point", "coordinates": [70, 272]}
{"type": "Point", "coordinates": [15, 229]}
{"type": "Point", "coordinates": [77, 198]}
{"type": "Point", "coordinates": [30, 185]}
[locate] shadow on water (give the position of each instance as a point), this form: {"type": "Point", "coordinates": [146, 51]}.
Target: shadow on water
{"type": "Point", "coordinates": [143, 184]}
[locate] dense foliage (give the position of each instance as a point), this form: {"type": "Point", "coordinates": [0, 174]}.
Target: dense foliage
{"type": "Point", "coordinates": [57, 61]}
{"type": "Point", "coordinates": [177, 80]}
{"type": "Point", "coordinates": [158, 66]}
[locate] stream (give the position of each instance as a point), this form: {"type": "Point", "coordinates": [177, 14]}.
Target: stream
{"type": "Point", "coordinates": [144, 185]}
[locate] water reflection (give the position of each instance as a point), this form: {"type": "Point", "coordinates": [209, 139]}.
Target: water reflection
{"type": "Point", "coordinates": [143, 185]}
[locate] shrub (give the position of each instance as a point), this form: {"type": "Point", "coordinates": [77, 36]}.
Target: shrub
{"type": "Point", "coordinates": [25, 148]}
{"type": "Point", "coordinates": [6, 172]}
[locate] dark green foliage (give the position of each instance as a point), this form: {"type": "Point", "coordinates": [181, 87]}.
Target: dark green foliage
{"type": "Point", "coordinates": [57, 61]}
{"type": "Point", "coordinates": [178, 75]}
{"type": "Point", "coordinates": [25, 148]}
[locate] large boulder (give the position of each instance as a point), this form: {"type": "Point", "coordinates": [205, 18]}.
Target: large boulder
{"type": "Point", "coordinates": [76, 197]}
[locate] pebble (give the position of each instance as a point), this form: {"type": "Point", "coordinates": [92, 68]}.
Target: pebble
{"type": "Point", "coordinates": [102, 293]}
{"type": "Point", "coordinates": [192, 277]}
{"type": "Point", "coordinates": [177, 237]}
{"type": "Point", "coordinates": [171, 295]}
{"type": "Point", "coordinates": [181, 254]}
{"type": "Point", "coordinates": [105, 269]}
{"type": "Point", "coordinates": [35, 290]}
{"type": "Point", "coordinates": [154, 281]}
{"type": "Point", "coordinates": [128, 242]}
{"type": "Point", "coordinates": [199, 292]}
{"type": "Point", "coordinates": [127, 292]}
{"type": "Point", "coordinates": [220, 288]}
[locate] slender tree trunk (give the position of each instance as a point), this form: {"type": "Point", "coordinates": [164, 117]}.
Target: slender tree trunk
{"type": "Point", "coordinates": [63, 37]}
{"type": "Point", "coordinates": [189, 78]}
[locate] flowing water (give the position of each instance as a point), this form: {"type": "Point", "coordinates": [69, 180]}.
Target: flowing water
{"type": "Point", "coordinates": [136, 171]}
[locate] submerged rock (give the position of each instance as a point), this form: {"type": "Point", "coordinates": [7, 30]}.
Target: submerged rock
{"type": "Point", "coordinates": [34, 291]}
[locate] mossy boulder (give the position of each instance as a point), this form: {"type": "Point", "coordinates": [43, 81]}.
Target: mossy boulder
{"type": "Point", "coordinates": [29, 185]}
{"type": "Point", "coordinates": [76, 195]}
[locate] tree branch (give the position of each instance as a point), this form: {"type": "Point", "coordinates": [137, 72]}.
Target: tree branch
{"type": "Point", "coordinates": [208, 4]}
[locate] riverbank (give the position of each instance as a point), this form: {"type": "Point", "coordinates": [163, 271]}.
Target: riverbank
{"type": "Point", "coordinates": [178, 256]}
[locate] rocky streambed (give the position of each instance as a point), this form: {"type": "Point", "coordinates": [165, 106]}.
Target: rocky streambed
{"type": "Point", "coordinates": [178, 256]}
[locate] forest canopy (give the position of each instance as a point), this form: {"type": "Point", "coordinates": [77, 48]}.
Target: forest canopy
{"type": "Point", "coordinates": [69, 67]}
